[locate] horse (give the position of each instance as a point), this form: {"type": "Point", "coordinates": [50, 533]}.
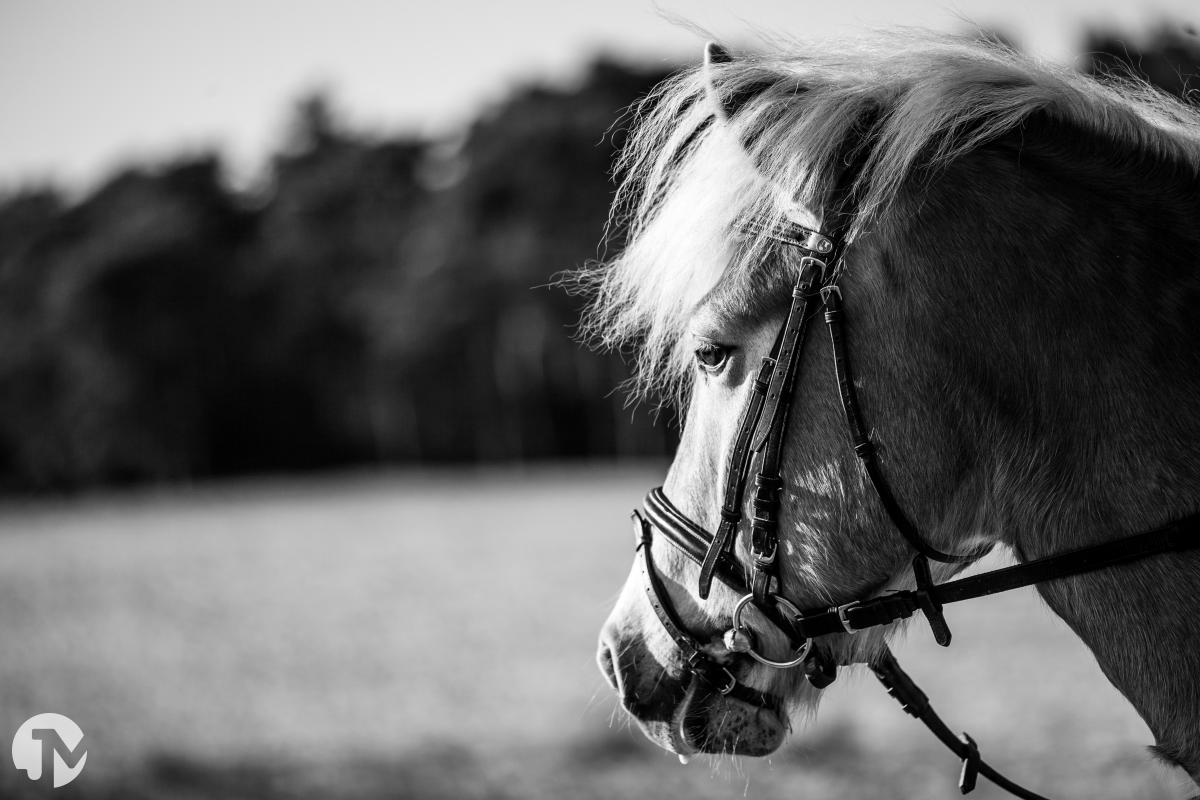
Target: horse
{"type": "Point", "coordinates": [1009, 250]}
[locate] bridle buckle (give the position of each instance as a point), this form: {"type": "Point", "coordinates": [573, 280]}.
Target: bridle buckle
{"type": "Point", "coordinates": [842, 618]}
{"type": "Point", "coordinates": [765, 558]}
{"type": "Point", "coordinates": [812, 270]}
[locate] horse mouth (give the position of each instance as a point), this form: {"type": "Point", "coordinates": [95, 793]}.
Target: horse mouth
{"type": "Point", "coordinates": [684, 714]}
{"type": "Point", "coordinates": [708, 722]}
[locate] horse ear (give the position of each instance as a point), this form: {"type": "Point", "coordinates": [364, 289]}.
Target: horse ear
{"type": "Point", "coordinates": [716, 54]}
{"type": "Point", "coordinates": [725, 107]}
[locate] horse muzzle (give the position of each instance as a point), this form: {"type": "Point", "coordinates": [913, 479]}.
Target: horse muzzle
{"type": "Point", "coordinates": [684, 713]}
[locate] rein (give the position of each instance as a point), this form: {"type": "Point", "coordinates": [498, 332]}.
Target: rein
{"type": "Point", "coordinates": [761, 432]}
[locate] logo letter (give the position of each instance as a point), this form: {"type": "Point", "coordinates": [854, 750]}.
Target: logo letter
{"type": "Point", "coordinates": [43, 737]}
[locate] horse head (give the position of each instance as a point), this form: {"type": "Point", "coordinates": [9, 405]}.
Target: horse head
{"type": "Point", "coordinates": [996, 232]}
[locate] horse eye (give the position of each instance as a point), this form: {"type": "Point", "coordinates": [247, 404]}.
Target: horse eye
{"type": "Point", "coordinates": [711, 357]}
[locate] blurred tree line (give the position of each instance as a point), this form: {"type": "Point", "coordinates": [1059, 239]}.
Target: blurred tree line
{"type": "Point", "coordinates": [381, 300]}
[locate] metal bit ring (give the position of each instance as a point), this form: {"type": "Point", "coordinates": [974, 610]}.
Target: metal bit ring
{"type": "Point", "coordinates": [797, 658]}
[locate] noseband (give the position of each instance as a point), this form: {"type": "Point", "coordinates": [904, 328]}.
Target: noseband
{"type": "Point", "coordinates": [761, 433]}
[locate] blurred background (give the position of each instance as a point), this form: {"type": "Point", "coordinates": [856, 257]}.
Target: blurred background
{"type": "Point", "coordinates": [306, 489]}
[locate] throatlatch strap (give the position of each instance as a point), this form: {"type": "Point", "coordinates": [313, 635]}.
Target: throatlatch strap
{"type": "Point", "coordinates": [864, 448]}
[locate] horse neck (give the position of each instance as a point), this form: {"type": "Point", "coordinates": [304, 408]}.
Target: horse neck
{"type": "Point", "coordinates": [1085, 355]}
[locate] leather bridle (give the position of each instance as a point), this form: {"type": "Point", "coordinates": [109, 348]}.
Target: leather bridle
{"type": "Point", "coordinates": [761, 433]}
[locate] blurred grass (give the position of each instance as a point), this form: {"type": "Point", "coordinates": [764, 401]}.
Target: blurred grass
{"type": "Point", "coordinates": [432, 636]}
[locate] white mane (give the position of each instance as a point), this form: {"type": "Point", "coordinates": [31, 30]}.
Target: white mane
{"type": "Point", "coordinates": [685, 180]}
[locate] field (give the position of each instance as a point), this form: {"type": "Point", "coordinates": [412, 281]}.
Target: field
{"type": "Point", "coordinates": [432, 635]}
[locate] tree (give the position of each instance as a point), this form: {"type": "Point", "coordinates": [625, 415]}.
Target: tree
{"type": "Point", "coordinates": [115, 338]}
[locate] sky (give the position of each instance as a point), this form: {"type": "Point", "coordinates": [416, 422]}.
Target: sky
{"type": "Point", "coordinates": [86, 85]}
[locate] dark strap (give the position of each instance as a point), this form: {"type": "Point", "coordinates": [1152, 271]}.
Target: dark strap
{"type": "Point", "coordinates": [772, 431]}
{"type": "Point", "coordinates": [763, 575]}
{"type": "Point", "coordinates": [792, 343]}
{"type": "Point", "coordinates": [1177, 536]}
{"type": "Point", "coordinates": [700, 666]}
{"type": "Point", "coordinates": [914, 701]}
{"type": "Point", "coordinates": [735, 478]}
{"type": "Point", "coordinates": [929, 601]}
{"type": "Point", "coordinates": [692, 541]}
{"type": "Point", "coordinates": [1180, 535]}
{"type": "Point", "coordinates": [764, 529]}
{"type": "Point", "coordinates": [764, 417]}
{"type": "Point", "coordinates": [864, 448]}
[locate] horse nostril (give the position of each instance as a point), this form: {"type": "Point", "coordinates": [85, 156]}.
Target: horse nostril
{"type": "Point", "coordinates": [604, 658]}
